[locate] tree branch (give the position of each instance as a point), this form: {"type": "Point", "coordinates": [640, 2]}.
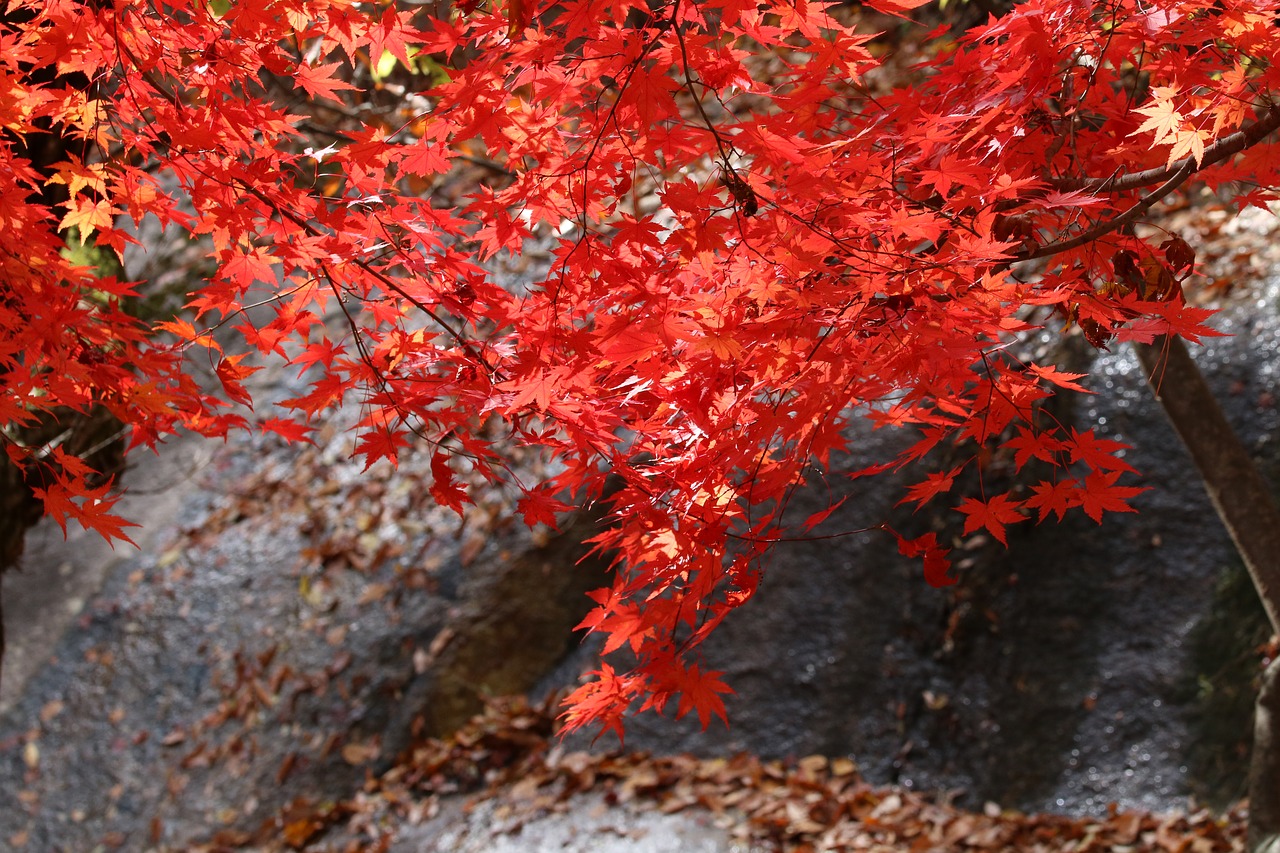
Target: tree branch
{"type": "Point", "coordinates": [1174, 175]}
{"type": "Point", "coordinates": [1107, 226]}
{"type": "Point", "coordinates": [1215, 153]}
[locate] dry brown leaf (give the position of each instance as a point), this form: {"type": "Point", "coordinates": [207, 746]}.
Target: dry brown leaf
{"type": "Point", "coordinates": [888, 806]}
{"type": "Point", "coordinates": [356, 754]}
{"type": "Point", "coordinates": [299, 832]}
{"type": "Point", "coordinates": [1126, 827]}
{"type": "Point", "coordinates": [843, 767]}
{"type": "Point", "coordinates": [373, 592]}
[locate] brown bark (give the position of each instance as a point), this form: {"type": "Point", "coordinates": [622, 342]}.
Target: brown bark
{"type": "Point", "coordinates": [1248, 509]}
{"type": "Point", "coordinates": [1264, 766]}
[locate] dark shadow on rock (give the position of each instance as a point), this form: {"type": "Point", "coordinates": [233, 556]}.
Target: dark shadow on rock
{"type": "Point", "coordinates": [513, 623]}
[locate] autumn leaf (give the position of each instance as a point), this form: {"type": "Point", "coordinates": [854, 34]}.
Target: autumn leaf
{"type": "Point", "coordinates": [700, 692]}
{"type": "Point", "coordinates": [937, 566]}
{"type": "Point", "coordinates": [1030, 444]}
{"type": "Point", "coordinates": [1101, 495]}
{"type": "Point", "coordinates": [1056, 498]}
{"type": "Point", "coordinates": [935, 483]}
{"type": "Point", "coordinates": [247, 267]}
{"type": "Point", "coordinates": [444, 485]}
{"type": "Point", "coordinates": [1101, 454]}
{"type": "Point", "coordinates": [538, 507]}
{"type": "Point", "coordinates": [380, 443]}
{"type": "Point", "coordinates": [1163, 118]}
{"type": "Point", "coordinates": [992, 515]}
{"type": "Point", "coordinates": [87, 215]}
{"type": "Point", "coordinates": [425, 158]}
{"type": "Point", "coordinates": [90, 507]}
{"type": "Point", "coordinates": [287, 429]}
{"type": "Point", "coordinates": [896, 7]}
{"type": "Point", "coordinates": [600, 702]}
{"type": "Point", "coordinates": [231, 373]}
{"type": "Point", "coordinates": [318, 81]}
{"type": "Point", "coordinates": [1060, 378]}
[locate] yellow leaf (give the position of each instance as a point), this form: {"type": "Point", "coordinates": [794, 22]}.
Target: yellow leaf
{"type": "Point", "coordinates": [88, 216]}
{"type": "Point", "coordinates": [1163, 119]}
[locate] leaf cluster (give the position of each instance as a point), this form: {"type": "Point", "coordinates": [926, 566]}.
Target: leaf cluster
{"type": "Point", "coordinates": [752, 245]}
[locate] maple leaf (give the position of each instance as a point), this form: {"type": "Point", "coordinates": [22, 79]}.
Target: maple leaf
{"type": "Point", "coordinates": [289, 430]}
{"type": "Point", "coordinates": [381, 443]}
{"type": "Point", "coordinates": [1188, 142]}
{"type": "Point", "coordinates": [538, 507]}
{"type": "Point", "coordinates": [1057, 498]}
{"type": "Point", "coordinates": [88, 506]}
{"type": "Point", "coordinates": [935, 483]}
{"type": "Point", "coordinates": [821, 515]}
{"type": "Point", "coordinates": [444, 486]}
{"type": "Point", "coordinates": [425, 158]}
{"type": "Point", "coordinates": [538, 389]}
{"type": "Point", "coordinates": [1071, 199]}
{"type": "Point", "coordinates": [992, 515]}
{"type": "Point", "coordinates": [231, 374]}
{"type": "Point", "coordinates": [1173, 317]}
{"type": "Point", "coordinates": [318, 81]}
{"type": "Point", "coordinates": [937, 566]}
{"type": "Point", "coordinates": [1163, 118]}
{"type": "Point", "coordinates": [700, 691]}
{"type": "Point", "coordinates": [601, 701]}
{"type": "Point", "coordinates": [249, 266]}
{"type": "Point", "coordinates": [897, 8]}
{"type": "Point", "coordinates": [1100, 494]}
{"type": "Point", "coordinates": [1031, 444]}
{"type": "Point", "coordinates": [87, 215]}
{"type": "Point", "coordinates": [1060, 378]}
{"type": "Point", "coordinates": [1101, 454]}
{"type": "Point", "coordinates": [394, 34]}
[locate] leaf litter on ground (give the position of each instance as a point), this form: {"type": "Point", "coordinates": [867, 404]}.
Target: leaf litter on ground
{"type": "Point", "coordinates": [511, 756]}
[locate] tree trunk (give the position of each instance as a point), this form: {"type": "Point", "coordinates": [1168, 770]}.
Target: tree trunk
{"type": "Point", "coordinates": [1245, 504]}
{"type": "Point", "coordinates": [1264, 766]}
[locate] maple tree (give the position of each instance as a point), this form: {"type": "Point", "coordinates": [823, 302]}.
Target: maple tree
{"type": "Point", "coordinates": [759, 234]}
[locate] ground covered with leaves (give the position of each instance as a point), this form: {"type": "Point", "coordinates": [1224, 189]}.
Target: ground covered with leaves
{"type": "Point", "coordinates": [511, 757]}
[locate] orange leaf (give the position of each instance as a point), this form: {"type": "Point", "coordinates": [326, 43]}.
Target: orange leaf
{"type": "Point", "coordinates": [86, 216]}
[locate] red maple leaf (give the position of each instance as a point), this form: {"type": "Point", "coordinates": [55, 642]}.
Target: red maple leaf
{"type": "Point", "coordinates": [1031, 444]}
{"type": "Point", "coordinates": [1100, 494]}
{"type": "Point", "coordinates": [992, 515]}
{"type": "Point", "coordinates": [1057, 498]}
{"type": "Point", "coordinates": [445, 488]}
{"type": "Point", "coordinates": [318, 81]}
{"type": "Point", "coordinates": [700, 691]}
{"type": "Point", "coordinates": [88, 506]}
{"type": "Point", "coordinates": [1100, 454]}
{"type": "Point", "coordinates": [935, 483]}
{"type": "Point", "coordinates": [937, 566]}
